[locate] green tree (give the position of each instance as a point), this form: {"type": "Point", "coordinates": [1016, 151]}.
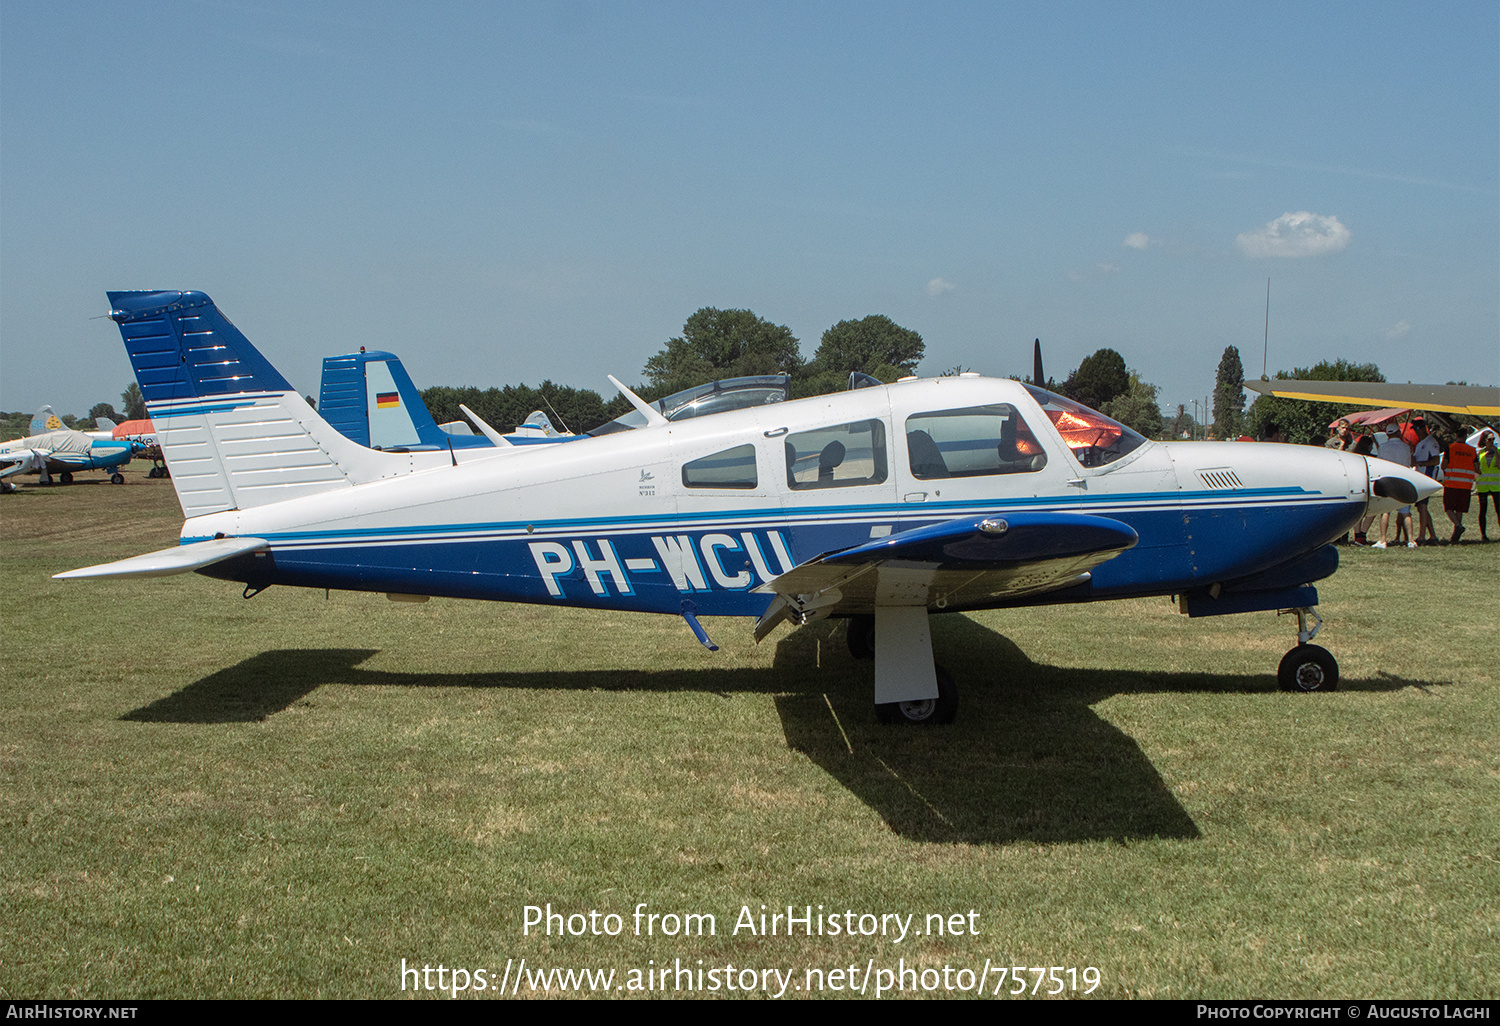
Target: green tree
{"type": "Point", "coordinates": [1303, 422]}
{"type": "Point", "coordinates": [135, 403]}
{"type": "Point", "coordinates": [1137, 407]}
{"type": "Point", "coordinates": [723, 344]}
{"type": "Point", "coordinates": [504, 409]}
{"type": "Point", "coordinates": [1098, 379]}
{"type": "Point", "coordinates": [103, 410]}
{"type": "Point", "coordinates": [868, 345]}
{"type": "Point", "coordinates": [1229, 395]}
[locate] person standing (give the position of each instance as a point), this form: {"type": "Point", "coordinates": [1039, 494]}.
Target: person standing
{"type": "Point", "coordinates": [1425, 456]}
{"type": "Point", "coordinates": [1395, 450]}
{"type": "Point", "coordinates": [1487, 484]}
{"type": "Point", "coordinates": [1459, 471]}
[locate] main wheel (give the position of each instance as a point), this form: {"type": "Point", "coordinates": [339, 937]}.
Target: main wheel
{"type": "Point", "coordinates": [941, 709]}
{"type": "Point", "coordinates": [861, 636]}
{"type": "Point", "coordinates": [66, 477]}
{"type": "Point", "coordinates": [1308, 668]}
{"type": "Point", "coordinates": [117, 479]}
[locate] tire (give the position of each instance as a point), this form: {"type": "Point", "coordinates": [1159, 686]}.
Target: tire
{"type": "Point", "coordinates": [860, 635]}
{"type": "Point", "coordinates": [117, 479]}
{"type": "Point", "coordinates": [930, 712]}
{"type": "Point", "coordinates": [1308, 668]}
{"type": "Point", "coordinates": [66, 477]}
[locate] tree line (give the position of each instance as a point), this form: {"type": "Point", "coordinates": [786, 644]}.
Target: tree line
{"type": "Point", "coordinates": [17, 423]}
{"type": "Point", "coordinates": [718, 344]}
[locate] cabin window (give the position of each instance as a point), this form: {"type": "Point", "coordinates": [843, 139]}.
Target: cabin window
{"type": "Point", "coordinates": [837, 457]}
{"type": "Point", "coordinates": [1094, 439]}
{"type": "Point", "coordinates": [974, 441]}
{"type": "Point", "coordinates": [732, 468]}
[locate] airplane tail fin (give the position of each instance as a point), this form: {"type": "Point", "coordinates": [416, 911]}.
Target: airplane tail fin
{"type": "Point", "coordinates": [43, 421]}
{"type": "Point", "coordinates": [233, 431]}
{"type": "Point", "coordinates": [369, 398]}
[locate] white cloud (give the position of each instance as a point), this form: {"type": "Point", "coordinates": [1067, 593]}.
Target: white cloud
{"type": "Point", "coordinates": [1137, 240]}
{"type": "Point", "coordinates": [1109, 268]}
{"type": "Point", "coordinates": [1296, 235]}
{"type": "Point", "coordinates": [1398, 330]}
{"type": "Point", "coordinates": [937, 286]}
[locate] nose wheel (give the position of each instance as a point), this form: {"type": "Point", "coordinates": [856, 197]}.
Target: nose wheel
{"type": "Point", "coordinates": [1308, 667]}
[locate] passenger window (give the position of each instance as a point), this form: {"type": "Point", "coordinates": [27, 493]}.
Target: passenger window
{"type": "Point", "coordinates": [837, 457]}
{"type": "Point", "coordinates": [732, 468]}
{"type": "Point", "coordinates": [972, 442]}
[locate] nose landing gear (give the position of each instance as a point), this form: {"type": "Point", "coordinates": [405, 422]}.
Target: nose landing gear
{"type": "Point", "coordinates": [1308, 667]}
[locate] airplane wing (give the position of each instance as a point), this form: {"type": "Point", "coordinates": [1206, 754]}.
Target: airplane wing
{"type": "Point", "coordinates": [963, 563]}
{"type": "Point", "coordinates": [22, 461]}
{"type": "Point", "coordinates": [1470, 400]}
{"type": "Point", "coordinates": [177, 560]}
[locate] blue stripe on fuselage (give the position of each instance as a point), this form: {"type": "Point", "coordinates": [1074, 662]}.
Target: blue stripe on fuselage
{"type": "Point", "coordinates": [622, 562]}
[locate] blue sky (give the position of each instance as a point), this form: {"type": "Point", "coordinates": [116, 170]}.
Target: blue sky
{"type": "Point", "coordinates": [510, 192]}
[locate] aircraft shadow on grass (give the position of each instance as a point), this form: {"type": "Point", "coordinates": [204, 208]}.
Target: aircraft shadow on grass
{"type": "Point", "coordinates": [1029, 759]}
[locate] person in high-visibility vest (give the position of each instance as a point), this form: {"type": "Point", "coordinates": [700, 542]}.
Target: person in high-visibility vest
{"type": "Point", "coordinates": [1488, 482]}
{"type": "Point", "coordinates": [1459, 472]}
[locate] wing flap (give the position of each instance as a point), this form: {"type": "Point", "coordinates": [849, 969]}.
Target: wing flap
{"type": "Point", "coordinates": [178, 560]}
{"type": "Point", "coordinates": [963, 563]}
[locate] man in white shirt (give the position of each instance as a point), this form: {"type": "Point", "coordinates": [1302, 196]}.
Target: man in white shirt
{"type": "Point", "coordinates": [1398, 452]}
{"type": "Point", "coordinates": [1425, 458]}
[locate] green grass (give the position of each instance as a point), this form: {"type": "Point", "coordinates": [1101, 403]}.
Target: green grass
{"type": "Point", "coordinates": [204, 796]}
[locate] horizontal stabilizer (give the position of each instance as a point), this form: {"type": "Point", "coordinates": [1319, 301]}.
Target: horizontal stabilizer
{"type": "Point", "coordinates": [178, 560]}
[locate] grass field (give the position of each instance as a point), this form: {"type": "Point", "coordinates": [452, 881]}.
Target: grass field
{"type": "Point", "coordinates": [285, 797]}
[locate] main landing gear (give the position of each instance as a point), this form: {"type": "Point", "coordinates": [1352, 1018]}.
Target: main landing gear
{"type": "Point", "coordinates": [1308, 667]}
{"type": "Point", "coordinates": [902, 695]}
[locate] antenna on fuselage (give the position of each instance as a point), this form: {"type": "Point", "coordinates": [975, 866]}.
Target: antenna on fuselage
{"type": "Point", "coordinates": [484, 429]}
{"type": "Point", "coordinates": [651, 413]}
{"type": "Point", "coordinates": [1036, 366]}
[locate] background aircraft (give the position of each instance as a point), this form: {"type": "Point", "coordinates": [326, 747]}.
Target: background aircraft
{"type": "Point", "coordinates": [881, 505]}
{"type": "Point", "coordinates": [369, 398]}
{"type": "Point", "coordinates": [54, 448]}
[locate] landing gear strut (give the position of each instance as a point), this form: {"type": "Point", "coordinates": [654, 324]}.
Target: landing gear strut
{"type": "Point", "coordinates": [860, 635]}
{"type": "Point", "coordinates": [1308, 667]}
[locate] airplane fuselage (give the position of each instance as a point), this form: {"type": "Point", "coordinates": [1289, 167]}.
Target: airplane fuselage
{"type": "Point", "coordinates": [710, 509]}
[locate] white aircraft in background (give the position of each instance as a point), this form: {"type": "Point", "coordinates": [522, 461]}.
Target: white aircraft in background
{"type": "Point", "coordinates": [881, 505]}
{"type": "Point", "coordinates": [54, 448]}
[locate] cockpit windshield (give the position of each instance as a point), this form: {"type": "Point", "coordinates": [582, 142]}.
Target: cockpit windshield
{"type": "Point", "coordinates": [714, 397]}
{"type": "Point", "coordinates": [1094, 439]}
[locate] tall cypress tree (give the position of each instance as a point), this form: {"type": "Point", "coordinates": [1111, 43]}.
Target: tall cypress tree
{"type": "Point", "coordinates": [1229, 395]}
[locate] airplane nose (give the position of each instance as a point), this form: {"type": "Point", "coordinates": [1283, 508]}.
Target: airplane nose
{"type": "Point", "coordinates": [1393, 486]}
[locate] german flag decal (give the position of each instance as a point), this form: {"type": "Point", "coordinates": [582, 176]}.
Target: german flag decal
{"type": "Point", "coordinates": [387, 400]}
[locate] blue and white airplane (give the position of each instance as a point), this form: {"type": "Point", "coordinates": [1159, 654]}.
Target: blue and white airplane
{"type": "Point", "coordinates": [54, 448]}
{"type": "Point", "coordinates": [881, 505]}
